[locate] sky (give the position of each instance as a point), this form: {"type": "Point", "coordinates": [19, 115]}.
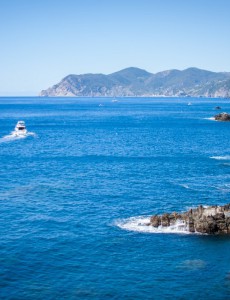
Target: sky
{"type": "Point", "coordinates": [42, 41]}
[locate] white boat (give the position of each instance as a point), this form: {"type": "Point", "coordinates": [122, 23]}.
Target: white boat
{"type": "Point", "coordinates": [20, 129]}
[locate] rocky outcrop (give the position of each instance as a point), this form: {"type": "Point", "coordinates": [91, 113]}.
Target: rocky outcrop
{"type": "Point", "coordinates": [222, 117]}
{"type": "Point", "coordinates": [208, 220]}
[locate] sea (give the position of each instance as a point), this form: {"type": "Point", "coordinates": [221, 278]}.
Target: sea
{"type": "Point", "coordinates": [77, 191]}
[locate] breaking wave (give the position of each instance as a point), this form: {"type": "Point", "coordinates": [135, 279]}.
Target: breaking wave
{"type": "Point", "coordinates": [141, 224]}
{"type": "Point", "coordinates": [210, 119]}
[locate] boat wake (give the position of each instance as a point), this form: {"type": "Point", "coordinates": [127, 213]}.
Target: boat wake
{"type": "Point", "coordinates": [20, 132]}
{"type": "Point", "coordinates": [13, 136]}
{"type": "Point", "coordinates": [141, 224]}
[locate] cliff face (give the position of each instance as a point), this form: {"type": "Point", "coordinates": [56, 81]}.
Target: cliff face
{"type": "Point", "coordinates": [137, 82]}
{"type": "Point", "coordinates": [209, 220]}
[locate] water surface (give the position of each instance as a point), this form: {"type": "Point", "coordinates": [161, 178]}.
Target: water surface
{"type": "Point", "coordinates": [73, 195]}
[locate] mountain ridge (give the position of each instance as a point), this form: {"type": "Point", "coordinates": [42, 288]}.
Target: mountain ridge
{"type": "Point", "coordinates": [136, 82]}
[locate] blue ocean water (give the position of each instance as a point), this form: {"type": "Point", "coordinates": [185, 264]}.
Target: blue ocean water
{"type": "Point", "coordinates": [74, 192]}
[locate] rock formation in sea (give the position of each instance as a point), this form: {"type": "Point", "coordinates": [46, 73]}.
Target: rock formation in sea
{"type": "Point", "coordinates": [207, 220]}
{"type": "Point", "coordinates": [222, 117]}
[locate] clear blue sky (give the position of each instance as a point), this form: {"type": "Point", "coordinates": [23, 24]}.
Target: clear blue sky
{"type": "Point", "coordinates": [42, 41]}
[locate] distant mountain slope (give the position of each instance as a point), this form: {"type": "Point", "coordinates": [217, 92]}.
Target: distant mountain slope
{"type": "Point", "coordinates": [138, 82]}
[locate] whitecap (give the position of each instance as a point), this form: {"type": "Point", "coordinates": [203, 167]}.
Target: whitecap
{"type": "Point", "coordinates": [184, 185]}
{"type": "Point", "coordinates": [225, 157]}
{"type": "Point", "coordinates": [141, 224]}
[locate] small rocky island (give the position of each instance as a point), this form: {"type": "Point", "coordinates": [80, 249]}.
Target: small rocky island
{"type": "Point", "coordinates": [206, 220]}
{"type": "Point", "coordinates": [222, 117]}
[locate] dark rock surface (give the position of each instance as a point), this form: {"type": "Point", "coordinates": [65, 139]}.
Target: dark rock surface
{"type": "Point", "coordinates": [222, 117]}
{"type": "Point", "coordinates": [209, 220]}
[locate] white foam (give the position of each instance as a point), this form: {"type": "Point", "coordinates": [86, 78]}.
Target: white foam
{"type": "Point", "coordinates": [14, 137]}
{"type": "Point", "coordinates": [31, 134]}
{"type": "Point", "coordinates": [210, 119]}
{"type": "Point", "coordinates": [225, 157]}
{"type": "Point", "coordinates": [184, 185]}
{"type": "Point", "coordinates": [140, 224]}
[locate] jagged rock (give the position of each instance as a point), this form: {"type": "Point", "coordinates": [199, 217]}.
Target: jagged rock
{"type": "Point", "coordinates": [155, 221]}
{"type": "Point", "coordinates": [222, 117]}
{"type": "Point", "coordinates": [208, 220]}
